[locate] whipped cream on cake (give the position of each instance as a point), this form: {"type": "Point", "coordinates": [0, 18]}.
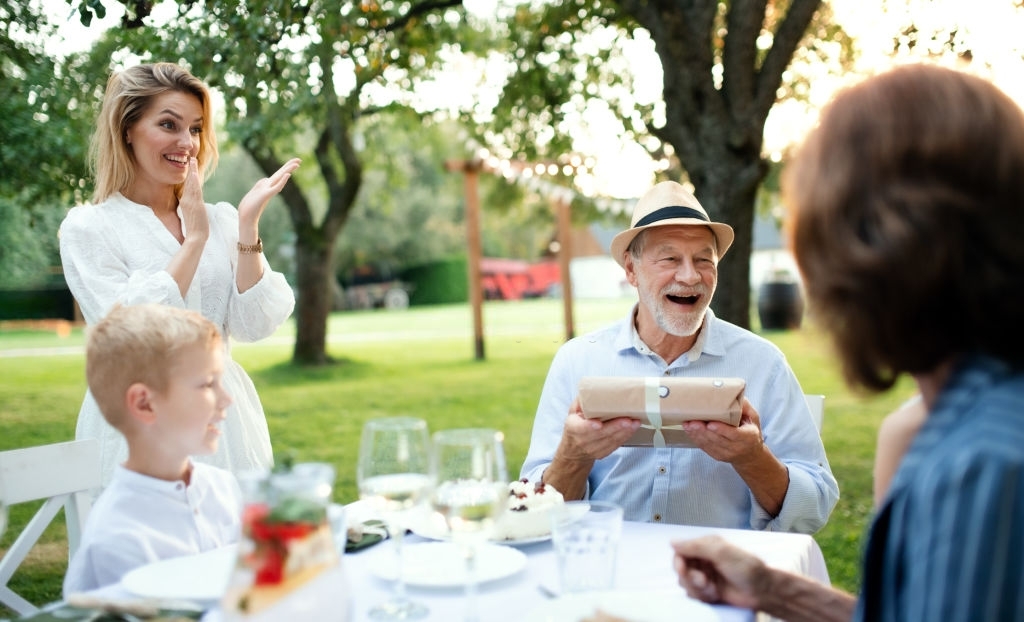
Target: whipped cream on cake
{"type": "Point", "coordinates": [529, 511]}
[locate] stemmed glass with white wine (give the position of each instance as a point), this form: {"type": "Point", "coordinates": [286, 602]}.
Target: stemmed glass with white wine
{"type": "Point", "coordinates": [394, 478]}
{"type": "Point", "coordinates": [470, 491]}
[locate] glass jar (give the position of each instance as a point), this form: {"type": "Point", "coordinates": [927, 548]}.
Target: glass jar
{"type": "Point", "coordinates": [287, 548]}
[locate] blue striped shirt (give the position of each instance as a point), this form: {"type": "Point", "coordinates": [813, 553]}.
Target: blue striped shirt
{"type": "Point", "coordinates": [682, 485]}
{"type": "Point", "coordinates": [948, 542]}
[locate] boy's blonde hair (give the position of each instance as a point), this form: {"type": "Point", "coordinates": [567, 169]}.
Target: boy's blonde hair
{"type": "Point", "coordinates": [140, 343]}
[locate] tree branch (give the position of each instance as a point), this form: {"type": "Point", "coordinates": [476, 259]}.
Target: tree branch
{"type": "Point", "coordinates": [787, 37]}
{"type": "Point", "coordinates": [420, 9]}
{"type": "Point", "coordinates": [739, 53]}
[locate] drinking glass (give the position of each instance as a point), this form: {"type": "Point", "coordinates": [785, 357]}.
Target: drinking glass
{"type": "Point", "coordinates": [471, 491]}
{"type": "Point", "coordinates": [394, 478]}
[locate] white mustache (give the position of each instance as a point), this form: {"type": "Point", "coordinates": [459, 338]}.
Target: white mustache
{"type": "Point", "coordinates": [695, 291]}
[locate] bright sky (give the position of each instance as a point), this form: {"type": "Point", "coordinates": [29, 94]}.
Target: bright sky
{"type": "Point", "coordinates": [991, 28]}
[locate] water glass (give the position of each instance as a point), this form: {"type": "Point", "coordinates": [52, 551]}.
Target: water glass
{"type": "Point", "coordinates": [585, 535]}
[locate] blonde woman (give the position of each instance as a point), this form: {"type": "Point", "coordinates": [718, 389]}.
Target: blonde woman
{"type": "Point", "coordinates": [149, 237]}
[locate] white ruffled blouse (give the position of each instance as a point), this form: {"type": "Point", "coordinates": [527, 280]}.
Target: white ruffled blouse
{"type": "Point", "coordinates": [117, 252]}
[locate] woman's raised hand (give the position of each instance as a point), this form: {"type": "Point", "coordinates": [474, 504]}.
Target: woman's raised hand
{"type": "Point", "coordinates": [193, 209]}
{"type": "Point", "coordinates": [251, 207]}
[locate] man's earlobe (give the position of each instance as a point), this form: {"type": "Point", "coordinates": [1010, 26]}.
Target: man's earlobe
{"type": "Point", "coordinates": [627, 265]}
{"type": "Point", "coordinates": [139, 404]}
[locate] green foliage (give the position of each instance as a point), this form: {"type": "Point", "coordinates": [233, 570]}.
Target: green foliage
{"type": "Point", "coordinates": [43, 155]}
{"type": "Point", "coordinates": [555, 75]}
{"type": "Point", "coordinates": [438, 282]}
{"type": "Point", "coordinates": [28, 244]}
{"type": "Point", "coordinates": [409, 209]}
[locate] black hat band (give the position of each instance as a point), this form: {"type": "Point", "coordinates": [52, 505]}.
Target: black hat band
{"type": "Point", "coordinates": [665, 213]}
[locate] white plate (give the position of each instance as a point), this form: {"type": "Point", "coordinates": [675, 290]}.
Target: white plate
{"type": "Point", "coordinates": [441, 564]}
{"type": "Point", "coordinates": [432, 527]}
{"type": "Point", "coordinates": [199, 578]}
{"type": "Point", "coordinates": [669, 605]}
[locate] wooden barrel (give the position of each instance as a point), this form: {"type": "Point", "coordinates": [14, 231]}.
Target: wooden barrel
{"type": "Point", "coordinates": [780, 305]}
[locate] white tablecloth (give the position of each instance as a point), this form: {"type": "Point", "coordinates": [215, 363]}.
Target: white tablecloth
{"type": "Point", "coordinates": [644, 563]}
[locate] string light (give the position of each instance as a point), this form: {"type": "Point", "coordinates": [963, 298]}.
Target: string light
{"type": "Point", "coordinates": [534, 176]}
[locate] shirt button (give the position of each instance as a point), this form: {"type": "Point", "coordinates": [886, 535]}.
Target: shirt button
{"type": "Point", "coordinates": [662, 470]}
{"type": "Point", "coordinates": [657, 518]}
{"type": "Point", "coordinates": [668, 373]}
{"type": "Point", "coordinates": [179, 486]}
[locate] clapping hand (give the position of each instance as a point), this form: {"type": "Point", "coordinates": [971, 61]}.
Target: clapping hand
{"type": "Point", "coordinates": [193, 209]}
{"type": "Point", "coordinates": [251, 207]}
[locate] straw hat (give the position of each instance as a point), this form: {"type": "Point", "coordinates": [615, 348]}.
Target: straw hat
{"type": "Point", "coordinates": [668, 203]}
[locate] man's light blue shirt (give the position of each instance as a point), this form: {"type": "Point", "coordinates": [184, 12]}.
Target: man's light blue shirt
{"type": "Point", "coordinates": [686, 486]}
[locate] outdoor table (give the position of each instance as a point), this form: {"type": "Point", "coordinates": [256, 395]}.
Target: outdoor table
{"type": "Point", "coordinates": [644, 563]}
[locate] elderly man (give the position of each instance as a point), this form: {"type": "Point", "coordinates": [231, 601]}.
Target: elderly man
{"type": "Point", "coordinates": [769, 472]}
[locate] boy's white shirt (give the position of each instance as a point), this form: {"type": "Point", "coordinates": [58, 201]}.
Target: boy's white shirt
{"type": "Point", "coordinates": [138, 520]}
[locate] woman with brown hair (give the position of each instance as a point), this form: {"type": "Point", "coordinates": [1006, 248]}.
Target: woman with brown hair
{"type": "Point", "coordinates": [149, 237]}
{"type": "Point", "coordinates": [907, 223]}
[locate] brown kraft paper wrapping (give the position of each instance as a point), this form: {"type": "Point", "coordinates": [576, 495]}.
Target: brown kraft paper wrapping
{"type": "Point", "coordinates": [662, 404]}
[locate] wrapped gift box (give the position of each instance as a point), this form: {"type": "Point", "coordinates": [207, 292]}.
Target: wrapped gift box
{"type": "Point", "coordinates": [662, 404]}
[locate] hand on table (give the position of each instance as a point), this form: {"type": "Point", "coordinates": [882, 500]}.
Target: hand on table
{"type": "Point", "coordinates": [712, 570]}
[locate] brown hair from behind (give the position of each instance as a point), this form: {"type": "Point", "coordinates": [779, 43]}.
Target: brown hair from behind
{"type": "Point", "coordinates": [129, 93]}
{"type": "Point", "coordinates": [140, 344]}
{"type": "Point", "coordinates": [906, 219]}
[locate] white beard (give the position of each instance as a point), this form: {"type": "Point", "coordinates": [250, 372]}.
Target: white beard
{"type": "Point", "coordinates": [673, 322]}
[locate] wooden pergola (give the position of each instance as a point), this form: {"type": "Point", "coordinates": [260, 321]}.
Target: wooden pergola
{"type": "Point", "coordinates": [561, 202]}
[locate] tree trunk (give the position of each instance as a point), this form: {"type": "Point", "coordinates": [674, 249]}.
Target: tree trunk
{"type": "Point", "coordinates": [716, 124]}
{"type": "Point", "coordinates": [733, 203]}
{"type": "Point", "coordinates": [313, 268]}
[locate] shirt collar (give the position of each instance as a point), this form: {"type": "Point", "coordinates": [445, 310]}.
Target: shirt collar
{"type": "Point", "coordinates": [134, 479]}
{"type": "Point", "coordinates": [707, 340]}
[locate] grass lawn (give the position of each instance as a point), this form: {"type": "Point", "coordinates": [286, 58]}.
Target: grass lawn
{"type": "Point", "coordinates": [418, 362]}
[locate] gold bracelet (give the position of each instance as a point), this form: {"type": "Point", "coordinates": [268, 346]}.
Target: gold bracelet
{"type": "Point", "coordinates": [251, 248]}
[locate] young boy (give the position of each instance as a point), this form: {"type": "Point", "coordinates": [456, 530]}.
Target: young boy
{"type": "Point", "coordinates": [155, 372]}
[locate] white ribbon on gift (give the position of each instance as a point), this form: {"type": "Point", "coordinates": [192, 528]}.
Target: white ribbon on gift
{"type": "Point", "coordinates": [652, 406]}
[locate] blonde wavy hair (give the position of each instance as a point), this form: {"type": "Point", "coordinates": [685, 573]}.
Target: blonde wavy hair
{"type": "Point", "coordinates": [129, 93]}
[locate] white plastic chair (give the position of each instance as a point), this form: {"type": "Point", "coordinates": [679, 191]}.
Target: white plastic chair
{"type": "Point", "coordinates": [64, 474]}
{"type": "Point", "coordinates": [817, 405]}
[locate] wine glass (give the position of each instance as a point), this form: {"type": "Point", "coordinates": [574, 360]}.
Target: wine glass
{"type": "Point", "coordinates": [471, 491]}
{"type": "Point", "coordinates": [3, 511]}
{"type": "Point", "coordinates": [394, 478]}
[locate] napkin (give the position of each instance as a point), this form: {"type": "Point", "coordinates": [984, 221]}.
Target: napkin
{"type": "Point", "coordinates": [662, 404]}
{"type": "Point", "coordinates": [364, 535]}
